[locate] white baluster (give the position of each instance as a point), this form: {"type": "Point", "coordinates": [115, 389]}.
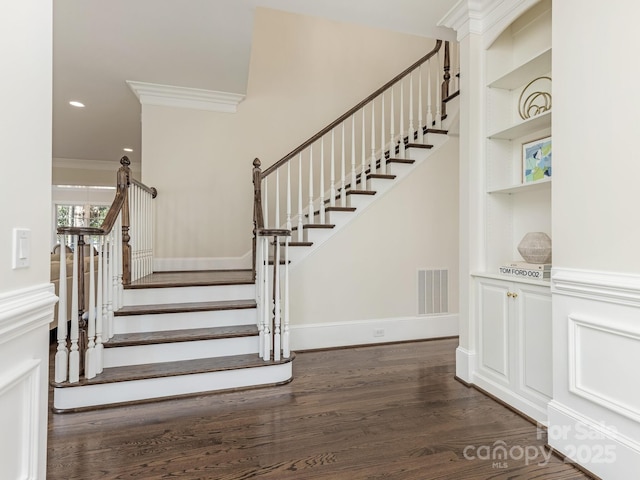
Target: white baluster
{"type": "Point", "coordinates": [438, 93]}
{"type": "Point", "coordinates": [259, 294]}
{"type": "Point", "coordinates": [111, 283]}
{"type": "Point", "coordinates": [311, 219]}
{"type": "Point", "coordinates": [276, 223]}
{"type": "Point", "coordinates": [266, 302]}
{"type": "Point", "coordinates": [402, 149]}
{"type": "Point", "coordinates": [265, 201]}
{"type": "Point", "coordinates": [383, 141]}
{"type": "Point", "coordinates": [288, 213]}
{"type": "Point", "coordinates": [286, 351]}
{"type": "Point", "coordinates": [420, 124]}
{"type": "Point", "coordinates": [323, 216]}
{"type": "Point", "coordinates": [429, 99]}
{"type": "Point", "coordinates": [100, 304]}
{"type": "Point", "coordinates": [62, 354]}
{"type": "Point", "coordinates": [89, 354]}
{"type": "Point", "coordinates": [120, 265]}
{"type": "Point", "coordinates": [354, 177]}
{"type": "Point", "coordinates": [332, 174]}
{"type": "Point", "coordinates": [276, 298]}
{"type": "Point", "coordinates": [392, 141]}
{"type": "Point", "coordinates": [372, 164]}
{"type": "Point", "coordinates": [343, 184]}
{"type": "Point", "coordinates": [300, 212]}
{"type": "Point", "coordinates": [457, 69]}
{"type": "Point", "coordinates": [411, 126]}
{"type": "Point", "coordinates": [363, 175]}
{"type": "Point", "coordinates": [74, 334]}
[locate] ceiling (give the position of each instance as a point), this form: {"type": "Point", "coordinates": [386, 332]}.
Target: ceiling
{"type": "Point", "coordinates": [98, 45]}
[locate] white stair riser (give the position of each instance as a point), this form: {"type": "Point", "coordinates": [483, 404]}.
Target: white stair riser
{"type": "Point", "coordinates": [185, 320]}
{"type": "Point", "coordinates": [317, 235]}
{"type": "Point", "coordinates": [176, 351]}
{"type": "Point", "coordinates": [111, 393]}
{"type": "Point", "coordinates": [400, 169]}
{"type": "Point", "coordinates": [339, 218]}
{"type": "Point", "coordinates": [379, 185]}
{"type": "Point", "coordinates": [209, 293]}
{"type": "Point", "coordinates": [360, 201]}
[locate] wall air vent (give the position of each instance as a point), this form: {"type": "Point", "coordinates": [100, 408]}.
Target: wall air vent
{"type": "Point", "coordinates": [433, 291]}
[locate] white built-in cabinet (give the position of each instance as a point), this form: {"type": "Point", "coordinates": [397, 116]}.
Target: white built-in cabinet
{"type": "Point", "coordinates": [513, 316]}
{"type": "Point", "coordinates": [514, 343]}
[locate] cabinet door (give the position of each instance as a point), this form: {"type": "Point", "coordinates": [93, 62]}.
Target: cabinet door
{"type": "Point", "coordinates": [494, 330]}
{"type": "Point", "coordinates": [533, 319]}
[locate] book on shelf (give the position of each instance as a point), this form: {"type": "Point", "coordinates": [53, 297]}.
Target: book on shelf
{"type": "Point", "coordinates": [536, 274]}
{"type": "Point", "coordinates": [545, 267]}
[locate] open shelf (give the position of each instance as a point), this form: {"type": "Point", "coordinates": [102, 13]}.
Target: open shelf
{"type": "Point", "coordinates": [535, 67]}
{"type": "Point", "coordinates": [544, 184]}
{"type": "Point", "coordinates": [526, 126]}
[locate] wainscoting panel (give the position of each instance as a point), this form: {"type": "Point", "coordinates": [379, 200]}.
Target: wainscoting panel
{"type": "Point", "coordinates": [594, 417]}
{"type": "Point", "coordinates": [19, 395]}
{"type": "Point", "coordinates": [597, 377]}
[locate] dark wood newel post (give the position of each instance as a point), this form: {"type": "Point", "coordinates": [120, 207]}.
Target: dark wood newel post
{"type": "Point", "coordinates": [258, 221]}
{"type": "Point", "coordinates": [446, 78]}
{"type": "Point", "coordinates": [124, 181]}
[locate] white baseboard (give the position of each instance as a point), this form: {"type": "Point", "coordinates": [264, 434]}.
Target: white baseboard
{"type": "Point", "coordinates": [361, 332]}
{"type": "Point", "coordinates": [465, 364]}
{"type": "Point", "coordinates": [598, 447]}
{"type": "Point", "coordinates": [202, 263]}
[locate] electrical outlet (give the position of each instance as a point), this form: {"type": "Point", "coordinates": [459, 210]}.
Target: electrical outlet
{"type": "Point", "coordinates": [378, 332]}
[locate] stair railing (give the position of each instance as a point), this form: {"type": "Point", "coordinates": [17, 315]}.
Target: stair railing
{"type": "Point", "coordinates": [271, 272]}
{"type": "Point", "coordinates": [115, 254]}
{"type": "Point", "coordinates": [299, 191]}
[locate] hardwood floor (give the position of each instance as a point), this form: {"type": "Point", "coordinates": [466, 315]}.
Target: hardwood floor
{"type": "Point", "coordinates": [193, 278]}
{"type": "Point", "coordinates": [378, 412]}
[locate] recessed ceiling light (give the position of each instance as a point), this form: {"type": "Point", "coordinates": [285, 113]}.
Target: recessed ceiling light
{"type": "Point", "coordinates": [128, 149]}
{"type": "Point", "coordinates": [75, 103]}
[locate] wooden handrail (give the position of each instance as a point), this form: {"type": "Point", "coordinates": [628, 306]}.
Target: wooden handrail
{"type": "Point", "coordinates": [351, 111]}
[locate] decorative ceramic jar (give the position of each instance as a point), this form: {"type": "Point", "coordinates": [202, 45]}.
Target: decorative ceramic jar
{"type": "Point", "coordinates": [535, 247]}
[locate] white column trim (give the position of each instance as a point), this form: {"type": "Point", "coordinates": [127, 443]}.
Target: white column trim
{"type": "Point", "coordinates": [26, 309]}
{"type": "Point", "coordinates": [185, 97]}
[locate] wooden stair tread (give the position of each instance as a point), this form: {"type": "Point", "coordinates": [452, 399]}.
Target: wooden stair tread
{"type": "Point", "coordinates": [381, 175]}
{"type": "Point", "coordinates": [196, 278]}
{"type": "Point", "coordinates": [174, 336]}
{"type": "Point", "coordinates": [185, 307]}
{"type": "Point", "coordinates": [314, 225]}
{"type": "Point", "coordinates": [172, 369]}
{"type": "Point", "coordinates": [407, 161]}
{"type": "Point", "coordinates": [418, 145]}
{"type": "Point", "coordinates": [438, 131]}
{"type": "Point", "coordinates": [361, 192]}
{"type": "Point", "coordinates": [298, 244]}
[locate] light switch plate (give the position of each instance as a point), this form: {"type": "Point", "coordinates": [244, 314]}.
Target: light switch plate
{"type": "Point", "coordinates": [21, 248]}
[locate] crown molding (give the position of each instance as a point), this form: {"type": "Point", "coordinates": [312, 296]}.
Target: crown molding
{"type": "Point", "coordinates": [185, 97]}
{"type": "Point", "coordinates": [479, 16]}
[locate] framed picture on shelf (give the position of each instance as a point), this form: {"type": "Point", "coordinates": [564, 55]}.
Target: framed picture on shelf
{"type": "Point", "coordinates": [536, 160]}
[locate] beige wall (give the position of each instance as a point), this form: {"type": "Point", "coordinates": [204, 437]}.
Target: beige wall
{"type": "Point", "coordinates": [25, 136]}
{"type": "Point", "coordinates": [87, 172]}
{"type": "Point", "coordinates": [369, 269]}
{"type": "Point", "coordinates": [595, 123]}
{"type": "Point", "coordinates": [304, 73]}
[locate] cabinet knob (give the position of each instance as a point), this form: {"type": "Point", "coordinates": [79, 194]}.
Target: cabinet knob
{"type": "Point", "coordinates": [514, 295]}
{"type": "Point", "coordinates": [509, 294]}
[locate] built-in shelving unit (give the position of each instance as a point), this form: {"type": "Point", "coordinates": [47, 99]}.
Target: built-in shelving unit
{"type": "Point", "coordinates": [512, 315]}
{"type": "Point", "coordinates": [520, 54]}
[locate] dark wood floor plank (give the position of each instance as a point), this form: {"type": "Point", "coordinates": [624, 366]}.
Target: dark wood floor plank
{"type": "Point", "coordinates": [380, 412]}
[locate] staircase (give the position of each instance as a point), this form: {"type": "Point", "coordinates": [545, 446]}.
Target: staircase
{"type": "Point", "coordinates": [146, 335]}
